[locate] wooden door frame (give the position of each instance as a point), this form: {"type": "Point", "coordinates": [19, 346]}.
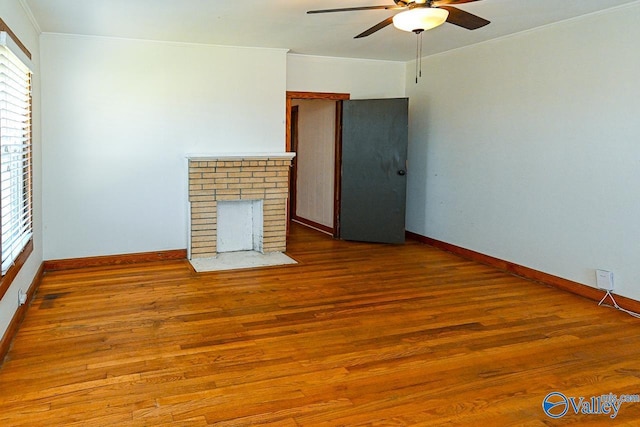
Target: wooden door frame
{"type": "Point", "coordinates": [330, 96]}
{"type": "Point", "coordinates": [293, 143]}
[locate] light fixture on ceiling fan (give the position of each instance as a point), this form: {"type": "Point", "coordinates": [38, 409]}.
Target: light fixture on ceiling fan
{"type": "Point", "coordinates": [417, 20]}
{"type": "Point", "coordinates": [417, 16]}
{"type": "Point", "coordinates": [420, 19]}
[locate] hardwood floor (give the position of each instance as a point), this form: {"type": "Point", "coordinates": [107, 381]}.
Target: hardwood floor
{"type": "Point", "coordinates": [354, 335]}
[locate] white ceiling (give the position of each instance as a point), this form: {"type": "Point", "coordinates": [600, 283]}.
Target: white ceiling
{"type": "Point", "coordinates": [285, 24]}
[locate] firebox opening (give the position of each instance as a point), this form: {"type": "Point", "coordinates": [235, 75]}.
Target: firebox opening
{"type": "Point", "coordinates": [240, 226]}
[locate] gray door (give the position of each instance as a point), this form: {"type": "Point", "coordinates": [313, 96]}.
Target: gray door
{"type": "Point", "coordinates": [373, 170]}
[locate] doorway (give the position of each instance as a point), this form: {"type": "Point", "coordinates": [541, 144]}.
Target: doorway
{"type": "Point", "coordinates": [369, 149]}
{"type": "Point", "coordinates": [313, 132]}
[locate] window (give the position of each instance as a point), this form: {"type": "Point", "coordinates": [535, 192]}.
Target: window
{"type": "Point", "coordinates": [16, 227]}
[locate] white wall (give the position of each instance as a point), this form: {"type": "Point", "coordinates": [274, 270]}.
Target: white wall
{"type": "Point", "coordinates": [15, 17]}
{"type": "Point", "coordinates": [358, 77]}
{"type": "Point", "coordinates": [527, 148]}
{"type": "Point", "coordinates": [120, 115]}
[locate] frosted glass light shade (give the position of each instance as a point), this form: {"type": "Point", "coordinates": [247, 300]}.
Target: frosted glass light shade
{"type": "Point", "coordinates": [420, 19]}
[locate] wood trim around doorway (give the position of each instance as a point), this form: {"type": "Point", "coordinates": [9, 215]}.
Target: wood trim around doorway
{"type": "Point", "coordinates": [329, 96]}
{"type": "Point", "coordinates": [307, 95]}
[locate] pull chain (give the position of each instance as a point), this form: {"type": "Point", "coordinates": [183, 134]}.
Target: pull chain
{"type": "Point", "coordinates": [417, 47]}
{"type": "Point", "coordinates": [420, 74]}
{"type": "Point", "coordinates": [418, 54]}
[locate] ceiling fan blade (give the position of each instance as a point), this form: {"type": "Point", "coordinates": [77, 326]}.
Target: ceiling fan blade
{"type": "Point", "coordinates": [350, 9]}
{"type": "Point", "coordinates": [378, 26]}
{"type": "Point", "coordinates": [438, 3]}
{"type": "Point", "coordinates": [464, 19]}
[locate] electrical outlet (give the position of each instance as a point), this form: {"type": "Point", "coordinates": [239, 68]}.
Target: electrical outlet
{"type": "Point", "coordinates": [604, 279]}
{"type": "Point", "coordinates": [22, 297]}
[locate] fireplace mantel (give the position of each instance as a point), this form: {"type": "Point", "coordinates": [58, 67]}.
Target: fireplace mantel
{"type": "Point", "coordinates": [239, 156]}
{"type": "Point", "coordinates": [217, 177]}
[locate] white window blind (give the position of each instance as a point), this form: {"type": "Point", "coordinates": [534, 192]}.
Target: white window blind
{"type": "Point", "coordinates": [15, 153]}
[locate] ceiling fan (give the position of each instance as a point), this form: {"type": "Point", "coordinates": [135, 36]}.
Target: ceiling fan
{"type": "Point", "coordinates": [419, 15]}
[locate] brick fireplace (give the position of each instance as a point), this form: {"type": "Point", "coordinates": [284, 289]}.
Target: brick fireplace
{"type": "Point", "coordinates": [244, 177]}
